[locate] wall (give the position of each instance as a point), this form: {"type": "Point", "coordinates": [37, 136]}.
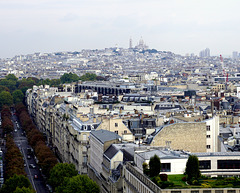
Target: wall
{"type": "Point", "coordinates": [214, 132]}
{"type": "Point", "coordinates": [185, 136]}
{"type": "Point", "coordinates": [116, 124]}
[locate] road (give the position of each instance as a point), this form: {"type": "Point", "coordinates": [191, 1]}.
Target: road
{"type": "Point", "coordinates": [33, 174]}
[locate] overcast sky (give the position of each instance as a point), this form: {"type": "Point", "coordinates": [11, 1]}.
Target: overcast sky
{"type": "Point", "coordinates": [180, 26]}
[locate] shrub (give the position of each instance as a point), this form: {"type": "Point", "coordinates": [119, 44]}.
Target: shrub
{"type": "Point", "coordinates": [166, 184]}
{"type": "Point", "coordinates": [154, 166]}
{"type": "Point", "coordinates": [164, 177]}
{"type": "Point", "coordinates": [184, 179]}
{"type": "Point", "coordinates": [145, 168]}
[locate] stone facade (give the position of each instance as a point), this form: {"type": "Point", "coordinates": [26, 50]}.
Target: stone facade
{"type": "Point", "coordinates": [186, 136]}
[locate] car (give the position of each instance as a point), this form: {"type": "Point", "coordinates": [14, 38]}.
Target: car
{"type": "Point", "coordinates": [32, 166]}
{"type": "Point", "coordinates": [36, 176]}
{"type": "Point", "coordinates": [15, 130]}
{"type": "Point", "coordinates": [49, 188]}
{"type": "Point", "coordinates": [28, 157]}
{"type": "Point", "coordinates": [24, 165]}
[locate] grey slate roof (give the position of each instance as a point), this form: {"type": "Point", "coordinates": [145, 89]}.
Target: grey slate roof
{"type": "Point", "coordinates": [104, 135]}
{"type": "Point", "coordinates": [111, 151]}
{"type": "Point", "coordinates": [163, 154]}
{"type": "Point", "coordinates": [127, 149]}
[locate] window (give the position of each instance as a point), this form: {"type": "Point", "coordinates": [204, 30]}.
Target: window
{"type": "Point", "coordinates": [116, 132]}
{"type": "Point", "coordinates": [206, 191]}
{"type": "Point", "coordinates": [116, 124]}
{"type": "Point", "coordinates": [194, 191]}
{"type": "Point", "coordinates": [205, 164]}
{"type": "Point", "coordinates": [208, 127]}
{"type": "Point", "coordinates": [84, 148]}
{"type": "Point", "coordinates": [84, 159]}
{"type": "Point", "coordinates": [125, 131]}
{"type": "Point", "coordinates": [208, 146]}
{"type": "Point", "coordinates": [166, 167]}
{"type": "Point", "coordinates": [208, 136]}
{"type": "Point", "coordinates": [84, 137]}
{"type": "Point", "coordinates": [228, 164]}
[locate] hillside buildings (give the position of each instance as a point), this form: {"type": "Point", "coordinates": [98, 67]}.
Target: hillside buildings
{"type": "Point", "coordinates": [152, 103]}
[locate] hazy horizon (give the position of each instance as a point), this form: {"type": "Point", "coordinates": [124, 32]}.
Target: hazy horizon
{"type": "Point", "coordinates": [179, 26]}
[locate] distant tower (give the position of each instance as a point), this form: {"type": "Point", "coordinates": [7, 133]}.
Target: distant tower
{"type": "Point", "coordinates": [235, 55]}
{"type": "Point", "coordinates": [130, 43]}
{"type": "Point", "coordinates": [207, 52]}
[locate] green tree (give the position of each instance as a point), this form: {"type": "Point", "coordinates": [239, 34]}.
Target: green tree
{"type": "Point", "coordinates": [88, 77]}
{"type": "Point", "coordinates": [61, 171]}
{"type": "Point", "coordinates": [69, 77]}
{"type": "Point", "coordinates": [12, 183]}
{"type": "Point", "coordinates": [145, 168]}
{"type": "Point", "coordinates": [11, 77]}
{"type": "Point", "coordinates": [10, 84]}
{"type": "Point", "coordinates": [192, 167]}
{"type": "Point", "coordinates": [18, 96]}
{"type": "Point", "coordinates": [154, 166]}
{"type": "Point", "coordinates": [55, 82]}
{"type": "Point", "coordinates": [24, 190]}
{"type": "Point", "coordinates": [24, 84]}
{"type": "Point", "coordinates": [3, 88]}
{"type": "Point", "coordinates": [5, 98]}
{"type": "Point", "coordinates": [78, 184]}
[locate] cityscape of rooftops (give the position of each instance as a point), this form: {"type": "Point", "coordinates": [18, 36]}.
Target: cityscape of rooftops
{"type": "Point", "coordinates": [119, 96]}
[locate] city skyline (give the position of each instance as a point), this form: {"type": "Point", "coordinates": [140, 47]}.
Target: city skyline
{"type": "Point", "coordinates": [177, 26]}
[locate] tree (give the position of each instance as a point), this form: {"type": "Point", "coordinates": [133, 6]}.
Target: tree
{"type": "Point", "coordinates": [69, 77]}
{"type": "Point", "coordinates": [12, 183]}
{"type": "Point", "coordinates": [192, 167]}
{"type": "Point", "coordinates": [55, 82]}
{"type": "Point", "coordinates": [88, 77]}
{"type": "Point", "coordinates": [61, 171]}
{"type": "Point", "coordinates": [11, 77]}
{"type": "Point", "coordinates": [3, 88]}
{"type": "Point", "coordinates": [78, 184]}
{"type": "Point", "coordinates": [10, 84]}
{"type": "Point", "coordinates": [145, 168]}
{"type": "Point", "coordinates": [154, 166]}
{"type": "Point", "coordinates": [24, 190]}
{"type": "Point", "coordinates": [18, 96]}
{"type": "Point", "coordinates": [5, 98]}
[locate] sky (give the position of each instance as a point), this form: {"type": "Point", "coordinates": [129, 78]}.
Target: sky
{"type": "Point", "coordinates": [180, 26]}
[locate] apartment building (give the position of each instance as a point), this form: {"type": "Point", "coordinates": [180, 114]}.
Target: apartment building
{"type": "Point", "coordinates": [189, 136]}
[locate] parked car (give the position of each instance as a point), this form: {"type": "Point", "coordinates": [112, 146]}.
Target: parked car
{"type": "Point", "coordinates": [49, 188]}
{"type": "Point", "coordinates": [32, 166]}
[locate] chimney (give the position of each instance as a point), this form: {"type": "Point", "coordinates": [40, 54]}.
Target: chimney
{"type": "Point", "coordinates": [212, 107]}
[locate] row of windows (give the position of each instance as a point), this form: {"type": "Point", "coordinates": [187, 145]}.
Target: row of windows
{"type": "Point", "coordinates": [207, 191]}
{"type": "Point", "coordinates": [221, 164]}
{"type": "Point", "coordinates": [125, 131]}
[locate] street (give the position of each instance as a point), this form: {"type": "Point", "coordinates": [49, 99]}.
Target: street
{"type": "Point", "coordinates": [32, 169]}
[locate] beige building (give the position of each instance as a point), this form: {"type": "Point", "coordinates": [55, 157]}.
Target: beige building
{"type": "Point", "coordinates": [189, 136]}
{"type": "Point", "coordinates": [99, 142]}
{"type": "Point", "coordinates": [115, 124]}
